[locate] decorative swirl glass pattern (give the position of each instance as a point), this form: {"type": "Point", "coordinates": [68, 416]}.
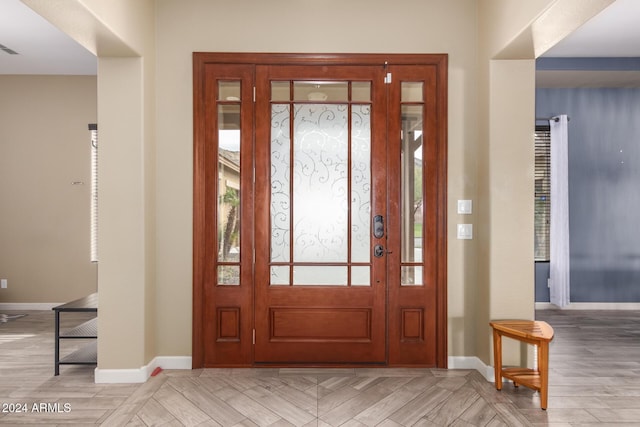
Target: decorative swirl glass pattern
{"type": "Point", "coordinates": [320, 193]}
{"type": "Point", "coordinates": [320, 190]}
{"type": "Point", "coordinates": [360, 183]}
{"type": "Point", "coordinates": [280, 183]}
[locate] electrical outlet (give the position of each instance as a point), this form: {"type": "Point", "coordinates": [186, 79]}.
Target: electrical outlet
{"type": "Point", "coordinates": [3, 283]}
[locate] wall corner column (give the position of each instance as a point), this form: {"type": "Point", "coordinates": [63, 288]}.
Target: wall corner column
{"type": "Point", "coordinates": [122, 248]}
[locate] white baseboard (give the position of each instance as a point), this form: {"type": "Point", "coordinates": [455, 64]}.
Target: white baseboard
{"type": "Point", "coordinates": [174, 362]}
{"type": "Point", "coordinates": [140, 375]}
{"type": "Point", "coordinates": [545, 306]}
{"type": "Point", "coordinates": [590, 306]}
{"type": "Point", "coordinates": [472, 362]}
{"type": "Point", "coordinates": [28, 306]}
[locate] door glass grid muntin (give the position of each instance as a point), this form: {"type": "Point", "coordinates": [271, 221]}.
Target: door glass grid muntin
{"type": "Point", "coordinates": [229, 172]}
{"type": "Point", "coordinates": [287, 95]}
{"type": "Point", "coordinates": [413, 197]}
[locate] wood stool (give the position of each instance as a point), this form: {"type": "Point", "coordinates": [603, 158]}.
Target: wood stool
{"type": "Point", "coordinates": [532, 332]}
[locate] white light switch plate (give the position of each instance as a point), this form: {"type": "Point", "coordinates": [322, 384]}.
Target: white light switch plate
{"type": "Point", "coordinates": [465, 231]}
{"type": "Point", "coordinates": [465, 207]}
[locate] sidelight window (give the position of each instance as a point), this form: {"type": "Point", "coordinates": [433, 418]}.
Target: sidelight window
{"type": "Point", "coordinates": [228, 209]}
{"type": "Point", "coordinates": [412, 193]}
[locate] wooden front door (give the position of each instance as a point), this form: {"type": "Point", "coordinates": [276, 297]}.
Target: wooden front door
{"type": "Point", "coordinates": [319, 210]}
{"type": "Point", "coordinates": [320, 181]}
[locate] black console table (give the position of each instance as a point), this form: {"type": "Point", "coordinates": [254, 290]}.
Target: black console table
{"type": "Point", "coordinates": [86, 355]}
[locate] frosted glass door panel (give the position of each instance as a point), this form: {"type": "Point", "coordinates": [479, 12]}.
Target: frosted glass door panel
{"type": "Point", "coordinates": [321, 179]}
{"type": "Point", "coordinates": [361, 183]}
{"type": "Point", "coordinates": [360, 276]}
{"type": "Point", "coordinates": [320, 188]}
{"type": "Point", "coordinates": [280, 184]}
{"type": "Point", "coordinates": [280, 275]}
{"type": "Point", "coordinates": [320, 275]}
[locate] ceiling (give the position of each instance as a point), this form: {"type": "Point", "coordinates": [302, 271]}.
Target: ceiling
{"type": "Point", "coordinates": [613, 33]}
{"type": "Point", "coordinates": [42, 49]}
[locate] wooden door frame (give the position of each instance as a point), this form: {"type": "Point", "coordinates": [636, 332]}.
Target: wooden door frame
{"type": "Point", "coordinates": [201, 187]}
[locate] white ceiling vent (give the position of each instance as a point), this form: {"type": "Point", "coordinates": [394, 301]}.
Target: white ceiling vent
{"type": "Point", "coordinates": [7, 50]}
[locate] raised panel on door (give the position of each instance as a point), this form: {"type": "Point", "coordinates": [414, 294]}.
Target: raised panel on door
{"type": "Point", "coordinates": [320, 179]}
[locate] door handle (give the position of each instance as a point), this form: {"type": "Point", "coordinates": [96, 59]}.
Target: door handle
{"type": "Point", "coordinates": [378, 226]}
{"type": "Point", "coordinates": [378, 251]}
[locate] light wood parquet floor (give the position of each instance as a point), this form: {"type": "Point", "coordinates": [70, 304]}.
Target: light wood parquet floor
{"type": "Point", "coordinates": [594, 380]}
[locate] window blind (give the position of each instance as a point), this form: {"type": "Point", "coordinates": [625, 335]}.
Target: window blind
{"type": "Point", "coordinates": [93, 129]}
{"type": "Point", "coordinates": [542, 192]}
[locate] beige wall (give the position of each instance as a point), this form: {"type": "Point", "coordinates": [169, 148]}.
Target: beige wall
{"type": "Point", "coordinates": [44, 219]}
{"type": "Point", "coordinates": [511, 35]}
{"type": "Point", "coordinates": [505, 170]}
{"type": "Point", "coordinates": [121, 33]}
{"type": "Point", "coordinates": [417, 27]}
{"type": "Point", "coordinates": [146, 215]}
{"type": "Point", "coordinates": [127, 114]}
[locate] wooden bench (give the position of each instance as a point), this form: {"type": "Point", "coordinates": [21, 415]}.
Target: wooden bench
{"type": "Point", "coordinates": [533, 332]}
